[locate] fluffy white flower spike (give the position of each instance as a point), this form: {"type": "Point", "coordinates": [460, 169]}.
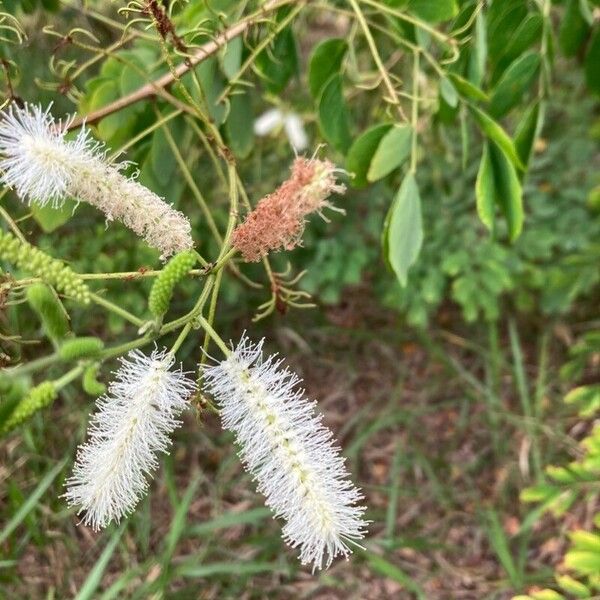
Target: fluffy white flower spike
{"type": "Point", "coordinates": [44, 167]}
{"type": "Point", "coordinates": [133, 423]}
{"type": "Point", "coordinates": [291, 455]}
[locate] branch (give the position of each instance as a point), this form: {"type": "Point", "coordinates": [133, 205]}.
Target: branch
{"type": "Point", "coordinates": [154, 88]}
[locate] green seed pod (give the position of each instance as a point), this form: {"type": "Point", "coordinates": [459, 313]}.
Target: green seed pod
{"type": "Point", "coordinates": [90, 383]}
{"type": "Point", "coordinates": [83, 347]}
{"type": "Point", "coordinates": [39, 397]}
{"type": "Point", "coordinates": [49, 308]}
{"type": "Point", "coordinates": [51, 270]}
{"type": "Point", "coordinates": [173, 272]}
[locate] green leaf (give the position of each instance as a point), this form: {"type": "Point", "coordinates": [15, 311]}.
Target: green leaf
{"type": "Point", "coordinates": [391, 152]}
{"type": "Point", "coordinates": [584, 562]}
{"type": "Point", "coordinates": [573, 28]}
{"type": "Point", "coordinates": [528, 130]}
{"type": "Point", "coordinates": [592, 60]}
{"type": "Point", "coordinates": [495, 133]}
{"type": "Point", "coordinates": [279, 62]}
{"type": "Point", "coordinates": [573, 587]}
{"type": "Point", "coordinates": [478, 57]}
{"type": "Point", "coordinates": [434, 10]}
{"type": "Point", "coordinates": [231, 58]}
{"type": "Point", "coordinates": [585, 540]}
{"type": "Point", "coordinates": [239, 125]}
{"type": "Point", "coordinates": [466, 89]}
{"type": "Point", "coordinates": [334, 120]}
{"type": "Point", "coordinates": [485, 190]}
{"type": "Point", "coordinates": [509, 195]}
{"type": "Point", "coordinates": [162, 161]}
{"type": "Point", "coordinates": [498, 186]}
{"type": "Point", "coordinates": [403, 229]}
{"type": "Point", "coordinates": [503, 20]}
{"type": "Point", "coordinates": [325, 60]}
{"type": "Point", "coordinates": [49, 218]}
{"type": "Point", "coordinates": [514, 83]}
{"type": "Point", "coordinates": [522, 37]}
{"type": "Point", "coordinates": [448, 92]}
{"type": "Point", "coordinates": [361, 153]}
{"type": "Point", "coordinates": [212, 82]}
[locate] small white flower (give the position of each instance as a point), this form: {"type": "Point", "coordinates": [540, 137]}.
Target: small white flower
{"type": "Point", "coordinates": [272, 119]}
{"type": "Point", "coordinates": [268, 122]}
{"type": "Point", "coordinates": [291, 455]}
{"type": "Point", "coordinates": [294, 129]}
{"type": "Point", "coordinates": [45, 168]}
{"type": "Point", "coordinates": [133, 423]}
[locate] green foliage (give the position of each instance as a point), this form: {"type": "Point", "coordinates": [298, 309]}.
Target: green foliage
{"type": "Point", "coordinates": [34, 261]}
{"type": "Point", "coordinates": [579, 480]}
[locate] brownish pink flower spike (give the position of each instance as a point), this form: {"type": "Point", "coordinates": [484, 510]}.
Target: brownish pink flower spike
{"type": "Point", "coordinates": [278, 220]}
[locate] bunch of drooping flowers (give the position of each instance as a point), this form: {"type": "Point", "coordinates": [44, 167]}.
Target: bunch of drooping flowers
{"type": "Point", "coordinates": [282, 442]}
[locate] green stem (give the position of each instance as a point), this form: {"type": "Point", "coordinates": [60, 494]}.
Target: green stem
{"type": "Point", "coordinates": [68, 377]}
{"type": "Point", "coordinates": [192, 184]}
{"type": "Point", "coordinates": [415, 112]}
{"type": "Point", "coordinates": [217, 339]}
{"type": "Point", "coordinates": [116, 309]}
{"type": "Point", "coordinates": [393, 96]}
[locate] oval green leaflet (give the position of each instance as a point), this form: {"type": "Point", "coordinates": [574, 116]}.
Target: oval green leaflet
{"type": "Point", "coordinates": [498, 186]}
{"type": "Point", "coordinates": [403, 229]}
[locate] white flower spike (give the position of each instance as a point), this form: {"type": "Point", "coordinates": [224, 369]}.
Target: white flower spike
{"type": "Point", "coordinates": [290, 453]}
{"type": "Point", "coordinates": [45, 168]}
{"type": "Point", "coordinates": [133, 423]}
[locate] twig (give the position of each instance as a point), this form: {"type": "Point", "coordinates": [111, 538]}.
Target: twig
{"type": "Point", "coordinates": [202, 53]}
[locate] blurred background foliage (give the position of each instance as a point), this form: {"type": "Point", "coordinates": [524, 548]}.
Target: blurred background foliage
{"type": "Point", "coordinates": [448, 393]}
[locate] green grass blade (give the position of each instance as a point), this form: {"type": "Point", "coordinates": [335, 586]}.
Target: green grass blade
{"type": "Point", "coordinates": [32, 500]}
{"type": "Point", "coordinates": [501, 547]}
{"type": "Point", "coordinates": [387, 569]}
{"type": "Point", "coordinates": [179, 520]}
{"type": "Point", "coordinates": [236, 569]}
{"type": "Point", "coordinates": [90, 585]}
{"type": "Point", "coordinates": [231, 519]}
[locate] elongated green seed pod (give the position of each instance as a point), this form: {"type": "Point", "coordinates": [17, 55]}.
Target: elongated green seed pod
{"type": "Point", "coordinates": [51, 270]}
{"type": "Point", "coordinates": [90, 382]}
{"type": "Point", "coordinates": [82, 347]}
{"type": "Point", "coordinates": [173, 272]}
{"type": "Point", "coordinates": [39, 397]}
{"type": "Point", "coordinates": [49, 309]}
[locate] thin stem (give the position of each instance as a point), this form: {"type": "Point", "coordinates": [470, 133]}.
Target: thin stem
{"type": "Point", "coordinates": [415, 113]}
{"type": "Point", "coordinates": [116, 309]}
{"type": "Point", "coordinates": [413, 20]}
{"type": "Point", "coordinates": [68, 377]}
{"type": "Point", "coordinates": [393, 96]}
{"type": "Point", "coordinates": [192, 184]}
{"type": "Point", "coordinates": [140, 136]}
{"type": "Point", "coordinates": [10, 221]}
{"type": "Point", "coordinates": [216, 338]}
{"type": "Point", "coordinates": [205, 51]}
